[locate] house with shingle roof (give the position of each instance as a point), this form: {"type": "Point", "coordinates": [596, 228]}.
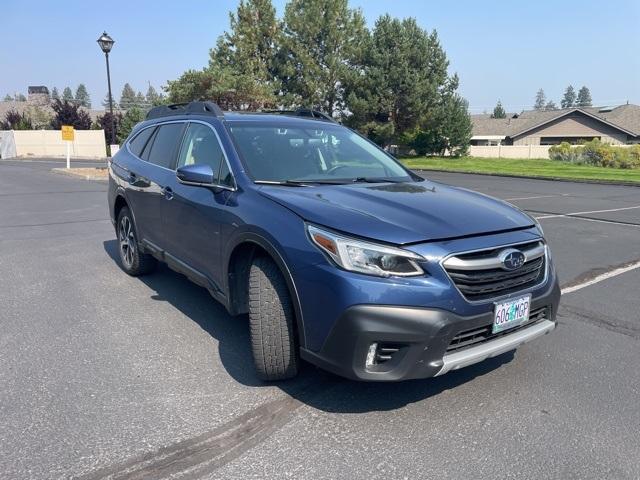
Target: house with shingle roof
{"type": "Point", "coordinates": [615, 125]}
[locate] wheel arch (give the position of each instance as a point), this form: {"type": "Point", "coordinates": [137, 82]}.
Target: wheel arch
{"type": "Point", "coordinates": [119, 203]}
{"type": "Point", "coordinates": [242, 251]}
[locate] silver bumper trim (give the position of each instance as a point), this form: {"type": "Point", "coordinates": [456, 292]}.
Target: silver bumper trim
{"type": "Point", "coordinates": [495, 347]}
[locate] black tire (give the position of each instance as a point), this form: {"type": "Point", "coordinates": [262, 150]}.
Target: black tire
{"type": "Point", "coordinates": [271, 318]}
{"type": "Point", "coordinates": [132, 260]}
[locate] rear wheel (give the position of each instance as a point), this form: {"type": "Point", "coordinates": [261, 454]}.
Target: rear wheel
{"type": "Point", "coordinates": [132, 260]}
{"type": "Point", "coordinates": [271, 318]}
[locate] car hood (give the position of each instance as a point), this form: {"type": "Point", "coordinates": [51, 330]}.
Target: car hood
{"type": "Point", "coordinates": [399, 213]}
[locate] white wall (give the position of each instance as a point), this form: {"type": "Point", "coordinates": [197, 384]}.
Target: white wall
{"type": "Point", "coordinates": [49, 143]}
{"type": "Point", "coordinates": [510, 151]}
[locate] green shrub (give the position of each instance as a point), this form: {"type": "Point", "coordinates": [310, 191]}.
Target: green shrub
{"type": "Point", "coordinates": [598, 154]}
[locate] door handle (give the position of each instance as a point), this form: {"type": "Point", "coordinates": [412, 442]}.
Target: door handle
{"type": "Point", "coordinates": [167, 192]}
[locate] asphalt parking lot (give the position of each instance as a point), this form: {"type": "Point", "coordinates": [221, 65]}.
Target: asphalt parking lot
{"type": "Point", "coordinates": [107, 376]}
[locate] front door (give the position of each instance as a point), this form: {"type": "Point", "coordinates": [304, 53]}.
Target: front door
{"type": "Point", "coordinates": [193, 217]}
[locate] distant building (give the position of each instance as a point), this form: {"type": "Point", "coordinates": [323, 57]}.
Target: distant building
{"type": "Point", "coordinates": [38, 95]}
{"type": "Point", "coordinates": [615, 125]}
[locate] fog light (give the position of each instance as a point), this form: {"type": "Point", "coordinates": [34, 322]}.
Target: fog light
{"type": "Point", "coordinates": [371, 355]}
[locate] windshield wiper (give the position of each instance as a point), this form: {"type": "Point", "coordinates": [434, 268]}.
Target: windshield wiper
{"type": "Point", "coordinates": [289, 183]}
{"type": "Point", "coordinates": [376, 180]}
{"type": "Point", "coordinates": [299, 183]}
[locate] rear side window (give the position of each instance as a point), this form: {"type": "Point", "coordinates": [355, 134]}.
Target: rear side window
{"type": "Point", "coordinates": [165, 144]}
{"type": "Point", "coordinates": [139, 141]}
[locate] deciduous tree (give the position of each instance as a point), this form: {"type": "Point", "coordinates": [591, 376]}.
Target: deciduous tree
{"type": "Point", "coordinates": [55, 95]}
{"type": "Point", "coordinates": [111, 126]}
{"type": "Point", "coordinates": [129, 120]}
{"type": "Point", "coordinates": [13, 120]}
{"type": "Point", "coordinates": [67, 113]}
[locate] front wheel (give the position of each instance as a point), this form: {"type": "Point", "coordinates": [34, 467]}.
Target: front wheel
{"type": "Point", "coordinates": [132, 260]}
{"type": "Point", "coordinates": [271, 318]}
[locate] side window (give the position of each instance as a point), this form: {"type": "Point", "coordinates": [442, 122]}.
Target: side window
{"type": "Point", "coordinates": [165, 144]}
{"type": "Point", "coordinates": [137, 144]}
{"type": "Point", "coordinates": [201, 146]}
{"type": "Point", "coordinates": [225, 175]}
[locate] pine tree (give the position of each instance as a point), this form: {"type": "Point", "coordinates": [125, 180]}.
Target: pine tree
{"type": "Point", "coordinates": [127, 97]}
{"type": "Point", "coordinates": [141, 101]}
{"type": "Point", "coordinates": [541, 100]}
{"type": "Point", "coordinates": [67, 95]}
{"type": "Point", "coordinates": [245, 56]}
{"type": "Point", "coordinates": [550, 105]}
{"type": "Point", "coordinates": [54, 94]}
{"type": "Point", "coordinates": [498, 111]}
{"type": "Point", "coordinates": [569, 98]}
{"type": "Point", "coordinates": [8, 98]}
{"type": "Point", "coordinates": [82, 96]}
{"type": "Point", "coordinates": [322, 40]}
{"type": "Point", "coordinates": [402, 79]}
{"type": "Point", "coordinates": [105, 102]}
{"type": "Point", "coordinates": [584, 97]}
{"type": "Point", "coordinates": [153, 98]}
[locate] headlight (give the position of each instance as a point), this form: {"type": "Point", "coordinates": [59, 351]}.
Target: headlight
{"type": "Point", "coordinates": [364, 257]}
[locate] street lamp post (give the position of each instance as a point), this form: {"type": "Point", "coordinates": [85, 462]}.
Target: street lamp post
{"type": "Point", "coordinates": [106, 44]}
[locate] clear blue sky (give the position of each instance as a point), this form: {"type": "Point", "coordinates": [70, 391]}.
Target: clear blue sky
{"type": "Point", "coordinates": [501, 50]}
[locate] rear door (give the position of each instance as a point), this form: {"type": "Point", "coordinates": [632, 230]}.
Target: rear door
{"type": "Point", "coordinates": [194, 216]}
{"type": "Point", "coordinates": [149, 176]}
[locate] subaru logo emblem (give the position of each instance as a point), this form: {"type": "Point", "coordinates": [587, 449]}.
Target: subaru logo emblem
{"type": "Point", "coordinates": [512, 259]}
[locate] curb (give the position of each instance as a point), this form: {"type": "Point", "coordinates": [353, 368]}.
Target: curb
{"type": "Point", "coordinates": [620, 183]}
{"type": "Point", "coordinates": [71, 173]}
{"type": "Point", "coordinates": [102, 160]}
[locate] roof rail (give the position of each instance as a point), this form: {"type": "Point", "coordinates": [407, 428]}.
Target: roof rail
{"type": "Point", "coordinates": [191, 108]}
{"type": "Point", "coordinates": [305, 112]}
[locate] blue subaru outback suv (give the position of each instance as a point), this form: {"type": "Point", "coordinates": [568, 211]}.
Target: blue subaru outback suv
{"type": "Point", "coordinates": [338, 254]}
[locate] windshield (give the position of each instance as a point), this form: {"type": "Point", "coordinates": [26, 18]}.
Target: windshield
{"type": "Point", "coordinates": [324, 153]}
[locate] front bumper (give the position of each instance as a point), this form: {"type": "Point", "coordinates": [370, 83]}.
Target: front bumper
{"type": "Point", "coordinates": [421, 337]}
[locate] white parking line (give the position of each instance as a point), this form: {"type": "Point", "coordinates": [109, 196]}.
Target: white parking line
{"type": "Point", "coordinates": [604, 276]}
{"type": "Point", "coordinates": [560, 215]}
{"type": "Point", "coordinates": [538, 196]}
{"type": "Point", "coordinates": [609, 222]}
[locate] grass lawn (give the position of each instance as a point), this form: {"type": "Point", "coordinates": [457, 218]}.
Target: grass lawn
{"type": "Point", "coordinates": [524, 167]}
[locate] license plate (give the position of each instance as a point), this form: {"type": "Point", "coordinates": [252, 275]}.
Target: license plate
{"type": "Point", "coordinates": [511, 313]}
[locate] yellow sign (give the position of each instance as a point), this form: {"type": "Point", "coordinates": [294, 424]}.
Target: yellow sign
{"type": "Point", "coordinates": [67, 133]}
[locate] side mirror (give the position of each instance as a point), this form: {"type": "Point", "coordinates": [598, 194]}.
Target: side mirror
{"type": "Point", "coordinates": [199, 174]}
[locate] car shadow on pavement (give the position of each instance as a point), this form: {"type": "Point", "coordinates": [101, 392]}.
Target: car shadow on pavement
{"type": "Point", "coordinates": [313, 386]}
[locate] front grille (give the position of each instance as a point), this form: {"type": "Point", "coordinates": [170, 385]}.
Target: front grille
{"type": "Point", "coordinates": [475, 336]}
{"type": "Point", "coordinates": [479, 277]}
